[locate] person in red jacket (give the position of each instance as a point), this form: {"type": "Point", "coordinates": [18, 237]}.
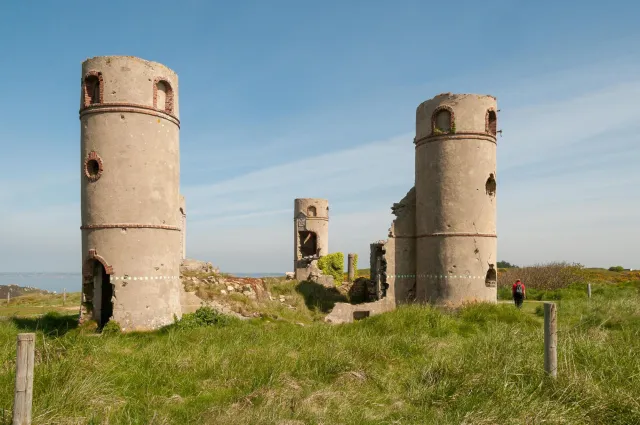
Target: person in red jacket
{"type": "Point", "coordinates": [519, 293]}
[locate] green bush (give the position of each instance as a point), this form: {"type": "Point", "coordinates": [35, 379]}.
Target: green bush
{"type": "Point", "coordinates": [204, 316]}
{"type": "Point", "coordinates": [355, 264]}
{"type": "Point", "coordinates": [333, 265]}
{"type": "Point", "coordinates": [616, 269]}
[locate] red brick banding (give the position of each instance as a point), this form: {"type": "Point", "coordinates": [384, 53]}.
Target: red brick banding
{"type": "Point", "coordinates": [86, 87]}
{"type": "Point", "coordinates": [128, 226]}
{"type": "Point", "coordinates": [488, 128]}
{"type": "Point", "coordinates": [87, 271]}
{"type": "Point", "coordinates": [456, 136]}
{"type": "Point", "coordinates": [93, 156]}
{"type": "Point", "coordinates": [169, 100]}
{"type": "Point", "coordinates": [128, 107]}
{"type": "Point", "coordinates": [435, 114]}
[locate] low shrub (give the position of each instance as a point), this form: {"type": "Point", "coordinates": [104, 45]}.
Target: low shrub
{"type": "Point", "coordinates": [548, 276]}
{"type": "Point", "coordinates": [204, 316]}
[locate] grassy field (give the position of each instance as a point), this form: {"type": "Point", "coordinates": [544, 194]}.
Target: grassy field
{"type": "Point", "coordinates": [482, 364]}
{"type": "Point", "coordinates": [38, 304]}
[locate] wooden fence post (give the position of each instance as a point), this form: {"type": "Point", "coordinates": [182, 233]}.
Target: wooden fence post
{"type": "Point", "coordinates": [8, 298]}
{"type": "Point", "coordinates": [550, 340]}
{"type": "Point", "coordinates": [23, 395]}
{"type": "Point", "coordinates": [589, 290]}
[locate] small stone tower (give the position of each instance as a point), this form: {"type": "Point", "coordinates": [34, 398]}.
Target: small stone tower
{"type": "Point", "coordinates": [311, 234]}
{"type": "Point", "coordinates": [455, 185]}
{"type": "Point", "coordinates": [131, 219]}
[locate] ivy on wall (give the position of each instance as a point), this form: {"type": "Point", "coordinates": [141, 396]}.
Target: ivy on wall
{"type": "Point", "coordinates": [333, 265]}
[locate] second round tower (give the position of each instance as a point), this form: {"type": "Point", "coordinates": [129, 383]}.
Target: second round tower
{"type": "Point", "coordinates": [456, 242]}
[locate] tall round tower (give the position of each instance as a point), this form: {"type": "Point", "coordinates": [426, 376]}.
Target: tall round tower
{"type": "Point", "coordinates": [456, 242]}
{"type": "Point", "coordinates": [311, 233]}
{"type": "Point", "coordinates": [130, 165]}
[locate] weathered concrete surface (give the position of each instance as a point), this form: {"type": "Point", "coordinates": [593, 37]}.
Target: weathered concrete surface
{"type": "Point", "coordinates": [310, 215]}
{"type": "Point", "coordinates": [344, 312]}
{"type": "Point", "coordinates": [455, 210]}
{"type": "Point", "coordinates": [129, 208]}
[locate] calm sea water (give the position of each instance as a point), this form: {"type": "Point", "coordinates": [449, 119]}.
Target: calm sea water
{"type": "Point", "coordinates": [72, 282]}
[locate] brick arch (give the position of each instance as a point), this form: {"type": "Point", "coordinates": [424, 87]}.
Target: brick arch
{"type": "Point", "coordinates": [85, 93]}
{"type": "Point", "coordinates": [87, 270]}
{"type": "Point", "coordinates": [169, 99]}
{"type": "Point", "coordinates": [435, 113]}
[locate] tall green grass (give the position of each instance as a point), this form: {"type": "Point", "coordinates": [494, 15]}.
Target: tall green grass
{"type": "Point", "coordinates": [482, 364]}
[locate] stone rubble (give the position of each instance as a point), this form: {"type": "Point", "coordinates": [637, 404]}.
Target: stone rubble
{"type": "Point", "coordinates": [252, 288]}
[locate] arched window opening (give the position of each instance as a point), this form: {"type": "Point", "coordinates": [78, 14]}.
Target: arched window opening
{"type": "Point", "coordinates": [163, 98]}
{"type": "Point", "coordinates": [492, 276]}
{"type": "Point", "coordinates": [443, 121]}
{"type": "Point", "coordinates": [162, 95]}
{"type": "Point", "coordinates": [490, 185]}
{"type": "Point", "coordinates": [311, 211]}
{"type": "Point", "coordinates": [91, 90]}
{"type": "Point", "coordinates": [492, 122]}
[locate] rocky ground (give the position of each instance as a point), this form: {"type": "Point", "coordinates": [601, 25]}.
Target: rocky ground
{"type": "Point", "coordinates": [245, 297]}
{"type": "Point", "coordinates": [237, 296]}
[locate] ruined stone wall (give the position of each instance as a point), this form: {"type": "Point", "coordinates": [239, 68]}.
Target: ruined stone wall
{"type": "Point", "coordinates": [455, 199]}
{"type": "Point", "coordinates": [311, 221]}
{"type": "Point", "coordinates": [130, 167]}
{"type": "Point", "coordinates": [401, 250]}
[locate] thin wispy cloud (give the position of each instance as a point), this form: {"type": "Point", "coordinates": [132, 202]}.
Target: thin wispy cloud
{"type": "Point", "coordinates": [578, 158]}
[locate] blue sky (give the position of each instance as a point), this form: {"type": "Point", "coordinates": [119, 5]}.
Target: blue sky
{"type": "Point", "coordinates": [269, 90]}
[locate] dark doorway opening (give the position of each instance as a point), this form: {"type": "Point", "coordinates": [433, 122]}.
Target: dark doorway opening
{"type": "Point", "coordinates": [102, 285]}
{"type": "Point", "coordinates": [308, 243]}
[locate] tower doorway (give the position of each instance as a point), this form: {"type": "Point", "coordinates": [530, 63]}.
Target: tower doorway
{"type": "Point", "coordinates": [102, 295]}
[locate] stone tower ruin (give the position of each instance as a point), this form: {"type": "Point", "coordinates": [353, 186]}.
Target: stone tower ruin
{"type": "Point", "coordinates": [456, 199]}
{"type": "Point", "coordinates": [442, 246]}
{"type": "Point", "coordinates": [132, 222]}
{"type": "Point", "coordinates": [311, 235]}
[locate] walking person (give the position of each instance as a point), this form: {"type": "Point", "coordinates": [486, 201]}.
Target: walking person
{"type": "Point", "coordinates": [519, 293]}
